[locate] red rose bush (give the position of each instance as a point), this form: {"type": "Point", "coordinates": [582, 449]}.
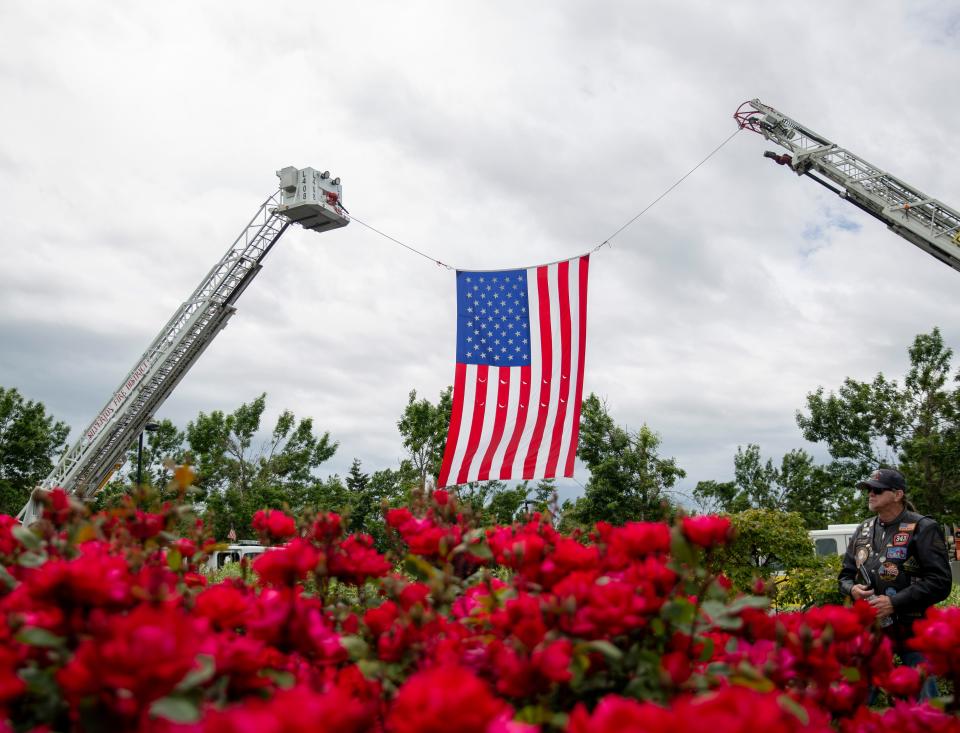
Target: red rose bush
{"type": "Point", "coordinates": [108, 623]}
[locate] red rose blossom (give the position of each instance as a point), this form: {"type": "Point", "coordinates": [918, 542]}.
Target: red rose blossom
{"type": "Point", "coordinates": [707, 531]}
{"type": "Point", "coordinates": [444, 699]}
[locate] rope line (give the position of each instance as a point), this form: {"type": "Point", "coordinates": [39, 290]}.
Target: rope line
{"type": "Point", "coordinates": [677, 183]}
{"type": "Point", "coordinates": [393, 239]}
{"type": "Point", "coordinates": [605, 242]}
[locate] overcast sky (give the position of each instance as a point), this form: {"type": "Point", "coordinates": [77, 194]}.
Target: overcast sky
{"type": "Point", "coordinates": [139, 138]}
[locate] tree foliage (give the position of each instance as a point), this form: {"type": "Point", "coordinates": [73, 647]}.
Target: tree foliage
{"type": "Point", "coordinates": [628, 478]}
{"type": "Point", "coordinates": [766, 541]}
{"type": "Point", "coordinates": [423, 428]}
{"type": "Point", "coordinates": [162, 449]}
{"type": "Point", "coordinates": [30, 442]}
{"type": "Point", "coordinates": [815, 585]}
{"type": "Point", "coordinates": [818, 493]}
{"type": "Point", "coordinates": [915, 424]}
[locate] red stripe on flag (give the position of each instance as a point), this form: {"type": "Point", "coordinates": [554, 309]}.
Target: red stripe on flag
{"type": "Point", "coordinates": [456, 413]}
{"type": "Point", "coordinates": [546, 357]}
{"type": "Point", "coordinates": [523, 404]}
{"type": "Point", "coordinates": [500, 419]}
{"type": "Point", "coordinates": [476, 424]}
{"type": "Point", "coordinates": [584, 269]}
{"type": "Point", "coordinates": [563, 291]}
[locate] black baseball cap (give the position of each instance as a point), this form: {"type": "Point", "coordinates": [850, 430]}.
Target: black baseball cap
{"type": "Point", "coordinates": [884, 478]}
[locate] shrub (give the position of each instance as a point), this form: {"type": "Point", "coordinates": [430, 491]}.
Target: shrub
{"type": "Point", "coordinates": [811, 586]}
{"type": "Point", "coordinates": [108, 625]}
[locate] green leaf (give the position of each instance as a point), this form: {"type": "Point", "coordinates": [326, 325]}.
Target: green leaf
{"type": "Point", "coordinates": [744, 602]}
{"type": "Point", "coordinates": [481, 550]}
{"type": "Point", "coordinates": [419, 568]}
{"type": "Point", "coordinates": [680, 611]}
{"type": "Point", "coordinates": [176, 709]}
{"type": "Point", "coordinates": [8, 580]}
{"type": "Point", "coordinates": [534, 715]}
{"type": "Point", "coordinates": [355, 646]}
{"type": "Point", "coordinates": [31, 560]}
{"type": "Point", "coordinates": [200, 675]}
{"type": "Point", "coordinates": [681, 550]}
{"type": "Point", "coordinates": [729, 623]}
{"type": "Point", "coordinates": [792, 706]}
{"type": "Point", "coordinates": [174, 560]}
{"type": "Point", "coordinates": [850, 674]}
{"type": "Point", "coordinates": [371, 668]}
{"type": "Point", "coordinates": [474, 535]}
{"type": "Point", "coordinates": [708, 647]}
{"type": "Point", "coordinates": [35, 636]}
{"type": "Point", "coordinates": [715, 610]}
{"type": "Point", "coordinates": [283, 680]}
{"type": "Point", "coordinates": [26, 538]}
{"type": "Point", "coordinates": [760, 684]}
{"type": "Point", "coordinates": [606, 648]}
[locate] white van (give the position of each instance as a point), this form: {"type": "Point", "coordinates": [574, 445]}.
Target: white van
{"type": "Point", "coordinates": [833, 540]}
{"type": "Point", "coordinates": [242, 550]}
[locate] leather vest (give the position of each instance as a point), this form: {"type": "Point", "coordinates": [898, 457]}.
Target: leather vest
{"type": "Point", "coordinates": [889, 554]}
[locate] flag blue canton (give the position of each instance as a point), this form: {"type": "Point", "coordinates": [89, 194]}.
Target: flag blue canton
{"type": "Point", "coordinates": [493, 318]}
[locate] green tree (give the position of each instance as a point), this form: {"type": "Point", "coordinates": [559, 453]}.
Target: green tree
{"type": "Point", "coordinates": [357, 480]}
{"type": "Point", "coordinates": [628, 478]}
{"type": "Point", "coordinates": [819, 494]}
{"type": "Point", "coordinates": [917, 425]}
{"type": "Point", "coordinates": [507, 504]}
{"type": "Point", "coordinates": [364, 503]}
{"type": "Point", "coordinates": [162, 448]}
{"type": "Point", "coordinates": [423, 427]}
{"type": "Point", "coordinates": [545, 496]}
{"type": "Point", "coordinates": [30, 442]}
{"type": "Point", "coordinates": [815, 585]}
{"type": "Point", "coordinates": [477, 495]}
{"type": "Point", "coordinates": [766, 542]}
{"type": "Point", "coordinates": [239, 478]}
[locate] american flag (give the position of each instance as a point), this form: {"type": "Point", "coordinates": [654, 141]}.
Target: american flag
{"type": "Point", "coordinates": [519, 378]}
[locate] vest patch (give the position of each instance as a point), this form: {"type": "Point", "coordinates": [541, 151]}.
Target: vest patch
{"type": "Point", "coordinates": [862, 554]}
{"type": "Point", "coordinates": [897, 553]}
{"type": "Point", "coordinates": [901, 539]}
{"type": "Point", "coordinates": [907, 526]}
{"type": "Point", "coordinates": [889, 571]}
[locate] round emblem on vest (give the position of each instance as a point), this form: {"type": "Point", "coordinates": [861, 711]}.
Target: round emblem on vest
{"type": "Point", "coordinates": [889, 571]}
{"type": "Point", "coordinates": [862, 554]}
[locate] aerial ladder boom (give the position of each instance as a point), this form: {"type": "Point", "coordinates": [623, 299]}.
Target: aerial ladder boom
{"type": "Point", "coordinates": [930, 224]}
{"type": "Point", "coordinates": [307, 197]}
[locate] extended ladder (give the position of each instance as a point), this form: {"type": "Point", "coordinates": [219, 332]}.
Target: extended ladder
{"type": "Point", "coordinates": [931, 225]}
{"type": "Point", "coordinates": [307, 197]}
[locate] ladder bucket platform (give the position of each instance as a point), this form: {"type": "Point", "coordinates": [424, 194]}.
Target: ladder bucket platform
{"type": "Point", "coordinates": [311, 199]}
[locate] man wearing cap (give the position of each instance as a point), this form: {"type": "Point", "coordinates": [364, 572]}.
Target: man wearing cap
{"type": "Point", "coordinates": [905, 556]}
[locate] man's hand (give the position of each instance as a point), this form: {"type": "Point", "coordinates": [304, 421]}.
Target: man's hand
{"type": "Point", "coordinates": [861, 592]}
{"type": "Point", "coordinates": [883, 604]}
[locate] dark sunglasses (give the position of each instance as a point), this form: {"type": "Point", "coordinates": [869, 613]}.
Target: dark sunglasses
{"type": "Point", "coordinates": [874, 490]}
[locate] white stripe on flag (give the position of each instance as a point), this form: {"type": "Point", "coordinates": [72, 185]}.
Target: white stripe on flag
{"type": "Point", "coordinates": [536, 364]}
{"type": "Point", "coordinates": [469, 387]}
{"type": "Point", "coordinates": [543, 450]}
{"type": "Point", "coordinates": [489, 415]}
{"type": "Point", "coordinates": [575, 366]}
{"type": "Point", "coordinates": [513, 403]}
